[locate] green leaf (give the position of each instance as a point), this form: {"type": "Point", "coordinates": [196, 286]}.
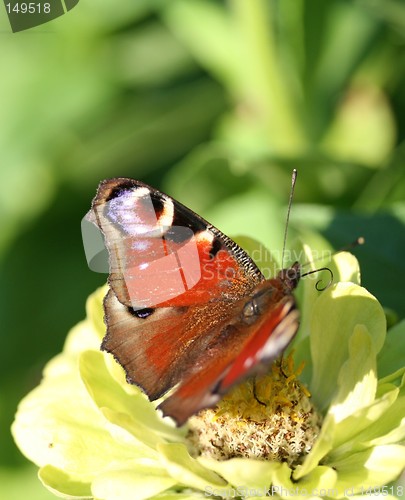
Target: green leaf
{"type": "Point", "coordinates": [363, 130]}
{"type": "Point", "coordinates": [381, 257]}
{"type": "Point", "coordinates": [135, 65]}
{"type": "Point", "coordinates": [262, 257]}
{"type": "Point", "coordinates": [340, 21]}
{"type": "Point", "coordinates": [206, 30]}
{"type": "Point", "coordinates": [235, 216]}
{"type": "Point", "coordinates": [223, 42]}
{"type": "Point", "coordinates": [207, 176]}
{"type": "Point", "coordinates": [391, 357]}
{"type": "Point", "coordinates": [395, 379]}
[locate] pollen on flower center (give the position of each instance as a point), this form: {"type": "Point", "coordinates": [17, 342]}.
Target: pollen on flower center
{"type": "Point", "coordinates": [270, 417]}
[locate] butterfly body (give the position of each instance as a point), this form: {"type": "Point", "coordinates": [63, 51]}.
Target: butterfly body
{"type": "Point", "coordinates": [188, 311]}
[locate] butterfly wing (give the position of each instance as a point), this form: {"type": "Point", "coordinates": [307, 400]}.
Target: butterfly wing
{"type": "Point", "coordinates": [177, 312]}
{"type": "Point", "coordinates": [192, 347]}
{"type": "Point", "coordinates": [200, 350]}
{"type": "Point", "coordinates": [162, 253]}
{"type": "Point", "coordinates": [241, 351]}
{"type": "Point", "coordinates": [178, 286]}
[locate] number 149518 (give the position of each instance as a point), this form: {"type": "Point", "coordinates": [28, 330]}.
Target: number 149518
{"type": "Point", "coordinates": [29, 8]}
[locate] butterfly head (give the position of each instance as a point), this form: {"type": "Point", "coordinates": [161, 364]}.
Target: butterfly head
{"type": "Point", "coordinates": [290, 276]}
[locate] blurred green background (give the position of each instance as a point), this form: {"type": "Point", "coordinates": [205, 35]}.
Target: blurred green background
{"type": "Point", "coordinates": [214, 102]}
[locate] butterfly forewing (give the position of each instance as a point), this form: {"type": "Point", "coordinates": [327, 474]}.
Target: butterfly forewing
{"type": "Point", "coordinates": [162, 253]}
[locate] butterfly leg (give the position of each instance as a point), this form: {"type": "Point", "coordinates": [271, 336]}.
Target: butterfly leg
{"type": "Point", "coordinates": [255, 392]}
{"type": "Point", "coordinates": [281, 359]}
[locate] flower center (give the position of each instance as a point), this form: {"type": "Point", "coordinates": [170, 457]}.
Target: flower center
{"type": "Point", "coordinates": [269, 417]}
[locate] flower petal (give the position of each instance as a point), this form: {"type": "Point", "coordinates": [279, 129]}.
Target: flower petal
{"type": "Point", "coordinates": [243, 472]}
{"type": "Point", "coordinates": [132, 482]}
{"type": "Point", "coordinates": [348, 434]}
{"type": "Point", "coordinates": [319, 482]}
{"type": "Point", "coordinates": [335, 314]}
{"type": "Point", "coordinates": [321, 448]}
{"type": "Point", "coordinates": [70, 433]}
{"type": "Point", "coordinates": [187, 470]}
{"type": "Point", "coordinates": [174, 495]}
{"type": "Point", "coordinates": [357, 380]}
{"type": "Point", "coordinates": [369, 468]}
{"type": "Point", "coordinates": [344, 267]}
{"type": "Point", "coordinates": [309, 247]}
{"type": "Point", "coordinates": [95, 312]}
{"type": "Point", "coordinates": [391, 428]}
{"type": "Point", "coordinates": [143, 435]}
{"type": "Point", "coordinates": [107, 392]}
{"type": "Point", "coordinates": [347, 268]}
{"type": "Point", "coordinates": [63, 484]}
{"type": "Point", "coordinates": [356, 387]}
{"type": "Point", "coordinates": [380, 492]}
{"type": "Point", "coordinates": [85, 335]}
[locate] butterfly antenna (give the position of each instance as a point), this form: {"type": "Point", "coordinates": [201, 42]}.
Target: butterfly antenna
{"type": "Point", "coordinates": [317, 285]}
{"type": "Point", "coordinates": [350, 246]}
{"type": "Point", "coordinates": [293, 180]}
{"type": "Point", "coordinates": [358, 241]}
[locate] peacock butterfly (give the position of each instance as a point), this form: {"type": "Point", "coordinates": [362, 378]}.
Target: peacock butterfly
{"type": "Point", "coordinates": [187, 311]}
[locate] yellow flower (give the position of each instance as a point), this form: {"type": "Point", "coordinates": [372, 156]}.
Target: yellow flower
{"type": "Point", "coordinates": [92, 435]}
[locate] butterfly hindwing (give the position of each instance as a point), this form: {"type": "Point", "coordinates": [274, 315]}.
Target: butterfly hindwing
{"type": "Point", "coordinates": [242, 351]}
